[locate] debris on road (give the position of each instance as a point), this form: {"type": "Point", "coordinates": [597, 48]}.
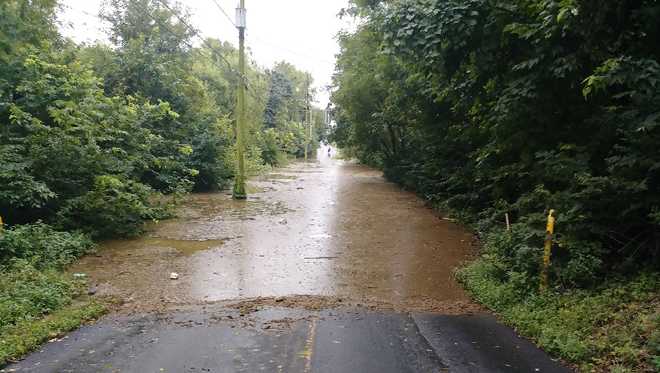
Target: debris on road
{"type": "Point", "coordinates": [396, 257]}
{"type": "Point", "coordinates": [322, 235]}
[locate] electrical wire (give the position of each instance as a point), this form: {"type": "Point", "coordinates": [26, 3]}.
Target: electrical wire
{"type": "Point", "coordinates": [249, 35]}
{"type": "Point", "coordinates": [252, 91]}
{"type": "Point", "coordinates": [217, 4]}
{"type": "Point", "coordinates": [196, 33]}
{"type": "Point", "coordinates": [291, 51]}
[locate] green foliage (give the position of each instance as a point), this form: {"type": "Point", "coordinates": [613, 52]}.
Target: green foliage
{"type": "Point", "coordinates": [87, 132]}
{"type": "Point", "coordinates": [488, 108]}
{"type": "Point", "coordinates": [288, 94]}
{"type": "Point", "coordinates": [613, 327]}
{"type": "Point", "coordinates": [153, 59]}
{"type": "Point", "coordinates": [22, 25]}
{"type": "Point", "coordinates": [31, 257]}
{"type": "Point", "coordinates": [62, 132]}
{"type": "Point", "coordinates": [92, 136]}
{"type": "Point", "coordinates": [114, 207]}
{"type": "Point", "coordinates": [209, 156]}
{"type": "Point", "coordinates": [27, 293]}
{"type": "Point", "coordinates": [28, 335]}
{"type": "Point", "coordinates": [270, 148]}
{"type": "Point", "coordinates": [42, 246]}
{"type": "Point", "coordinates": [286, 115]}
{"type": "Point", "coordinates": [18, 188]}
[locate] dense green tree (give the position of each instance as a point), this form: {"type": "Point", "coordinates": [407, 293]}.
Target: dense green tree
{"type": "Point", "coordinates": [90, 132]}
{"type": "Point", "coordinates": [491, 107]}
{"type": "Point", "coordinates": [92, 136]}
{"type": "Point", "coordinates": [286, 113]}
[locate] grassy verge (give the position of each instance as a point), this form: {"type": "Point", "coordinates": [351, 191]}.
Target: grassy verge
{"type": "Point", "coordinates": [27, 335]}
{"type": "Point", "coordinates": [614, 327]}
{"type": "Point", "coordinates": [38, 301]}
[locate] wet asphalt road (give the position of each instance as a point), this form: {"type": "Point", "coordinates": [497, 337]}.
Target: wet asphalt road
{"type": "Point", "coordinates": [333, 269]}
{"type": "Point", "coordinates": [326, 341]}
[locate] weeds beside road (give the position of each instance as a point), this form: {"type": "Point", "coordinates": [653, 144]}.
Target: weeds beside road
{"type": "Point", "coordinates": [38, 301]}
{"type": "Point", "coordinates": [613, 327]}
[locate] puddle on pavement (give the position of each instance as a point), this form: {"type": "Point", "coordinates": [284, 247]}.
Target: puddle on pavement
{"type": "Point", "coordinates": [142, 246]}
{"type": "Point", "coordinates": [338, 231]}
{"type": "Point", "coordinates": [222, 206]}
{"type": "Point", "coordinates": [282, 176]}
{"type": "Point", "coordinates": [313, 171]}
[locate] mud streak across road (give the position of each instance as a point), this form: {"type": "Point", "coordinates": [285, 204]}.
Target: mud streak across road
{"type": "Point", "coordinates": [325, 268]}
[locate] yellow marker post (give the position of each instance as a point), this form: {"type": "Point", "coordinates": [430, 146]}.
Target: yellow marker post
{"type": "Point", "coordinates": [2, 225]}
{"type": "Point", "coordinates": [549, 231]}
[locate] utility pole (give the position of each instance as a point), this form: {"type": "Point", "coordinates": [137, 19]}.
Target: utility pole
{"type": "Point", "coordinates": [311, 125]}
{"type": "Point", "coordinates": [308, 120]}
{"type": "Point", "coordinates": [239, 182]}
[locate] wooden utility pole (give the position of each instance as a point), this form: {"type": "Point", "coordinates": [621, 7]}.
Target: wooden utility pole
{"type": "Point", "coordinates": [311, 126]}
{"type": "Point", "coordinates": [239, 182]}
{"type": "Point", "coordinates": [308, 120]}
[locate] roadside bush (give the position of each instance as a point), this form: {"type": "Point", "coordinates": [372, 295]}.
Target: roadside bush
{"type": "Point", "coordinates": [208, 158]}
{"type": "Point", "coordinates": [613, 327]}
{"type": "Point", "coordinates": [270, 147]}
{"type": "Point", "coordinates": [574, 263]}
{"type": "Point", "coordinates": [516, 107]}
{"type": "Point", "coordinates": [114, 207]}
{"type": "Point", "coordinates": [42, 246]}
{"type": "Point", "coordinates": [292, 138]}
{"type": "Point", "coordinates": [28, 293]}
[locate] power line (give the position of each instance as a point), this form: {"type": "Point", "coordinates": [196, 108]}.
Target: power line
{"type": "Point", "coordinates": [276, 46]}
{"type": "Point", "coordinates": [247, 82]}
{"type": "Point", "coordinates": [251, 89]}
{"type": "Point", "coordinates": [262, 41]}
{"type": "Point", "coordinates": [223, 12]}
{"type": "Point", "coordinates": [195, 33]}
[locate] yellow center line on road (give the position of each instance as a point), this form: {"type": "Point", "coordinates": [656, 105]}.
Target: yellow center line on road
{"type": "Point", "coordinates": [309, 347]}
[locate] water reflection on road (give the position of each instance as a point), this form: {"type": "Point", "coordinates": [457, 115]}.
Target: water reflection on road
{"type": "Point", "coordinates": [328, 228]}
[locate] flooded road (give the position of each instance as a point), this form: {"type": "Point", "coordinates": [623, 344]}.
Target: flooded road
{"type": "Point", "coordinates": [329, 228]}
{"type": "Point", "coordinates": [326, 268]}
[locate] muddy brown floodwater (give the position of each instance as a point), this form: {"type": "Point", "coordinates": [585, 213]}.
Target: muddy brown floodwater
{"type": "Point", "coordinates": [324, 232]}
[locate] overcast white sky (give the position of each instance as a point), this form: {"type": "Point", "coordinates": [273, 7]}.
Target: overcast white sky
{"type": "Point", "coordinates": [299, 31]}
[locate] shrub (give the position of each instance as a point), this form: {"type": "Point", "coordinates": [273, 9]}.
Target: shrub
{"type": "Point", "coordinates": [28, 293]}
{"type": "Point", "coordinates": [270, 149]}
{"type": "Point", "coordinates": [42, 246]}
{"type": "Point", "coordinates": [115, 206]}
{"type": "Point", "coordinates": [613, 325]}
{"type": "Point", "coordinates": [517, 109]}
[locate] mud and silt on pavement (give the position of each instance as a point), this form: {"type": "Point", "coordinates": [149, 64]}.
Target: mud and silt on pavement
{"type": "Point", "coordinates": [325, 268]}
{"type": "Point", "coordinates": [329, 233]}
